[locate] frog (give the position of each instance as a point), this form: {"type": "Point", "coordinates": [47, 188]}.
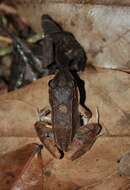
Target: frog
{"type": "Point", "coordinates": [63, 131]}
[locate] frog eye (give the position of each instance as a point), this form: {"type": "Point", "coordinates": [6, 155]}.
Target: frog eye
{"type": "Point", "coordinates": [51, 83]}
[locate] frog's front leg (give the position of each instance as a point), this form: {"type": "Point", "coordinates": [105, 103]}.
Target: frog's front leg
{"type": "Point", "coordinates": [44, 115]}
{"type": "Point", "coordinates": [85, 113]}
{"type": "Point", "coordinates": [44, 131]}
{"type": "Point", "coordinates": [84, 139]}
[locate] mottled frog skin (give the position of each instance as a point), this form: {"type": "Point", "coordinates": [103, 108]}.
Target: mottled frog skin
{"type": "Point", "coordinates": [63, 97]}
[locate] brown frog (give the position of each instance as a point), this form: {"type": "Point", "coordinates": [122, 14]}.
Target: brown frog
{"type": "Point", "coordinates": [67, 133]}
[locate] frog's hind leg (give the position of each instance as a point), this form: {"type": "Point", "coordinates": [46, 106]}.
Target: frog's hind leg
{"type": "Point", "coordinates": [44, 131]}
{"type": "Point", "coordinates": [85, 138]}
{"type": "Point", "coordinates": [45, 134]}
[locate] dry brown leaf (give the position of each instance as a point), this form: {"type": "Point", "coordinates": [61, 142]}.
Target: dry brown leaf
{"type": "Point", "coordinates": [99, 2]}
{"type": "Point", "coordinates": [22, 169]}
{"type": "Point", "coordinates": [111, 183]}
